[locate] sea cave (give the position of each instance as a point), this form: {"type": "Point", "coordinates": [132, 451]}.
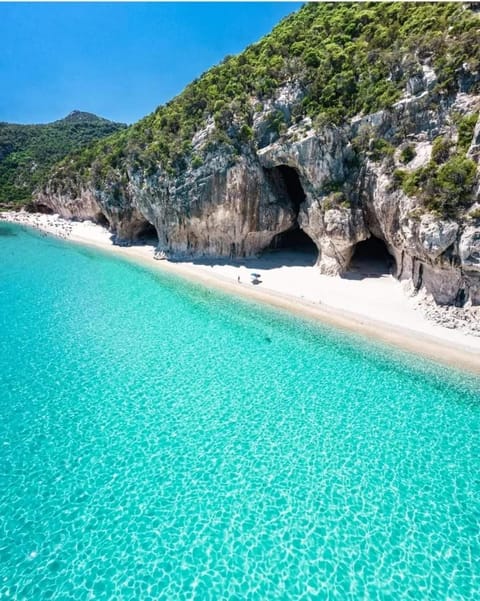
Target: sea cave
{"type": "Point", "coordinates": [293, 246]}
{"type": "Point", "coordinates": [371, 257]}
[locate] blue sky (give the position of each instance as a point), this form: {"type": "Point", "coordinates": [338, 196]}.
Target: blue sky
{"type": "Point", "coordinates": [119, 61]}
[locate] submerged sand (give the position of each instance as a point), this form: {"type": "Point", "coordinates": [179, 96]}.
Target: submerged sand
{"type": "Point", "coordinates": [369, 303]}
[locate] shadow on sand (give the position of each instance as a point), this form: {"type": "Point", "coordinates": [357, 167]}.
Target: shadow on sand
{"type": "Point", "coordinates": [369, 268]}
{"type": "Point", "coordinates": [143, 241]}
{"type": "Point", "coordinates": [271, 259]}
{"type": "Point", "coordinates": [371, 259]}
{"type": "Point", "coordinates": [362, 274]}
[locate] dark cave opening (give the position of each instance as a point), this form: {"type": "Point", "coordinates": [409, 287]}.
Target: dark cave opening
{"type": "Point", "coordinates": [41, 208]}
{"type": "Point", "coordinates": [147, 234]}
{"type": "Point", "coordinates": [291, 182]}
{"type": "Point", "coordinates": [102, 220]}
{"type": "Point", "coordinates": [461, 298]}
{"type": "Point", "coordinates": [294, 239]}
{"type": "Point", "coordinates": [372, 258]}
{"type": "Point", "coordinates": [293, 246]}
{"type": "Point", "coordinates": [38, 207]}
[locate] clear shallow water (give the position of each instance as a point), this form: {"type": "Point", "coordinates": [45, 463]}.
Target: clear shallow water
{"type": "Point", "coordinates": [159, 441]}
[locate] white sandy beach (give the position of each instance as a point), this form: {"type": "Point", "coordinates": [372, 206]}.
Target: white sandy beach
{"type": "Point", "coordinates": [371, 304]}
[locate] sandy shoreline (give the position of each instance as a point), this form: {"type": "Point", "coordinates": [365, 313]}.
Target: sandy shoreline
{"type": "Point", "coordinates": [373, 305]}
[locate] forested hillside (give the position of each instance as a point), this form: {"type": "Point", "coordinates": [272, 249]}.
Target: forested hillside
{"type": "Point", "coordinates": [28, 151]}
{"type": "Point", "coordinates": [347, 59]}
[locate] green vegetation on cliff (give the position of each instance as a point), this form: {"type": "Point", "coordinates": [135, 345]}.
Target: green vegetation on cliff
{"type": "Point", "coordinates": [28, 151]}
{"type": "Point", "coordinates": [446, 183]}
{"type": "Point", "coordinates": [346, 59]}
{"type": "Point", "coordinates": [443, 189]}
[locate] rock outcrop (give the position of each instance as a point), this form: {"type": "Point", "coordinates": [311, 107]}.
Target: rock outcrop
{"type": "Point", "coordinates": [234, 206]}
{"type": "Point", "coordinates": [339, 184]}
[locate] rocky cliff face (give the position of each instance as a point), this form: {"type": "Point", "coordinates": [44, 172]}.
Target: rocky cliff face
{"type": "Point", "coordinates": [317, 180]}
{"type": "Point", "coordinates": [407, 176]}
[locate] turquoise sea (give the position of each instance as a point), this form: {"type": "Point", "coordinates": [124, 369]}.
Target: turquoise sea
{"type": "Point", "coordinates": [162, 441]}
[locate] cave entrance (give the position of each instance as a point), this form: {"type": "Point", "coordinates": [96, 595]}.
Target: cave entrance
{"type": "Point", "coordinates": [289, 180]}
{"type": "Point", "coordinates": [41, 208]}
{"type": "Point", "coordinates": [294, 240]}
{"type": "Point", "coordinates": [371, 258]}
{"type": "Point", "coordinates": [102, 220]}
{"type": "Point", "coordinates": [147, 234]}
{"type": "Point", "coordinates": [294, 246]}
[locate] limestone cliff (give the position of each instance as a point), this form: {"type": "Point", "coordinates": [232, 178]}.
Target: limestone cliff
{"type": "Point", "coordinates": [407, 174]}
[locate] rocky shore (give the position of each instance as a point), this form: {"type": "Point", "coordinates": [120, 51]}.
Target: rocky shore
{"type": "Point", "coordinates": [465, 319]}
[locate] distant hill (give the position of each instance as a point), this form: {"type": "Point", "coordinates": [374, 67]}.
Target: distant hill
{"type": "Point", "coordinates": [28, 151]}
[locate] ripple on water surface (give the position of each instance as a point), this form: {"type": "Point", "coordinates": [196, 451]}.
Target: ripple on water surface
{"type": "Point", "coordinates": [162, 441]}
